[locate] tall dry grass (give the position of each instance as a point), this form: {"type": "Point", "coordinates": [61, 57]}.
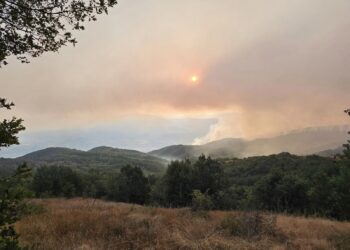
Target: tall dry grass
{"type": "Point", "coordinates": [89, 224]}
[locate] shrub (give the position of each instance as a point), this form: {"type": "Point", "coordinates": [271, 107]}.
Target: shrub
{"type": "Point", "coordinates": [341, 241]}
{"type": "Point", "coordinates": [200, 201]}
{"type": "Point", "coordinates": [249, 225]}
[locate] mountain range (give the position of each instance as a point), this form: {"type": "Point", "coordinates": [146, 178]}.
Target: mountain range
{"type": "Point", "coordinates": [324, 141]}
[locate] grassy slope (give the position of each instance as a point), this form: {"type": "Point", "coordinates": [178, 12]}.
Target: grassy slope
{"type": "Point", "coordinates": [89, 224]}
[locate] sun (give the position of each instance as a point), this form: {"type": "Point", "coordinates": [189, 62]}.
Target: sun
{"type": "Point", "coordinates": [194, 78]}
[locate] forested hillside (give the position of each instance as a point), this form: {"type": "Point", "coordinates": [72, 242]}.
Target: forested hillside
{"type": "Point", "coordinates": [300, 142]}
{"type": "Point", "coordinates": [102, 158]}
{"type": "Point", "coordinates": [308, 185]}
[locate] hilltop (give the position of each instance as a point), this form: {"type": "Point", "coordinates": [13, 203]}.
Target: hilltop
{"type": "Point", "coordinates": [103, 158]}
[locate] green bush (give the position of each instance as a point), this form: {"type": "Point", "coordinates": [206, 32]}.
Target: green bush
{"type": "Point", "coordinates": [200, 201]}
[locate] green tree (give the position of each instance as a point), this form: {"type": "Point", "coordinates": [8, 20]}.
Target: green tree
{"type": "Point", "coordinates": [233, 197]}
{"type": "Point", "coordinates": [342, 184]}
{"type": "Point", "coordinates": [208, 175]}
{"type": "Point", "coordinates": [321, 196]}
{"type": "Point", "coordinates": [347, 145]}
{"type": "Point", "coordinates": [130, 185]}
{"type": "Point", "coordinates": [12, 192]}
{"type": "Point", "coordinates": [30, 28]}
{"type": "Point", "coordinates": [11, 188]}
{"type": "Point", "coordinates": [178, 181]}
{"type": "Point", "coordinates": [57, 181]}
{"type": "Point", "coordinates": [281, 192]}
{"type": "Point", "coordinates": [341, 193]}
{"type": "Point", "coordinates": [9, 128]}
{"type": "Point", "coordinates": [158, 194]}
{"type": "Point", "coordinates": [94, 183]}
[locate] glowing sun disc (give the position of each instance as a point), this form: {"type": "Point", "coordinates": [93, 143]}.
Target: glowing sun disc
{"type": "Point", "coordinates": [194, 78]}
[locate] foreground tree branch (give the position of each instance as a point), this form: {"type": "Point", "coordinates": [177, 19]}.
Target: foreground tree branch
{"type": "Point", "coordinates": [29, 28]}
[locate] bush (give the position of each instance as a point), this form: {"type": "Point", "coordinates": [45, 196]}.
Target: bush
{"type": "Point", "coordinates": [200, 201]}
{"type": "Point", "coordinates": [341, 241]}
{"type": "Point", "coordinates": [249, 225]}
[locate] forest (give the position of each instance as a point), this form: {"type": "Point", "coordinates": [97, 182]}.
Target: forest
{"type": "Point", "coordinates": [285, 183]}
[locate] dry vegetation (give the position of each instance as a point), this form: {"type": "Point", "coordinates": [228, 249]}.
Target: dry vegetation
{"type": "Point", "coordinates": [90, 224]}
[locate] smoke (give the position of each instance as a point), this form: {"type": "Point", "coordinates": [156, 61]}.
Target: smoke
{"type": "Point", "coordinates": [228, 125]}
{"type": "Point", "coordinates": [264, 68]}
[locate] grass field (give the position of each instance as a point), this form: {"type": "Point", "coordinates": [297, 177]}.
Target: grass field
{"type": "Point", "coordinates": [94, 224]}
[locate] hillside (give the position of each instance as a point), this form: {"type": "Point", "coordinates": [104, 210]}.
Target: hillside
{"type": "Point", "coordinates": [299, 142]}
{"type": "Point", "coordinates": [229, 147]}
{"type": "Point", "coordinates": [105, 158]}
{"type": "Point", "coordinates": [95, 224]}
{"type": "Point", "coordinates": [331, 152]}
{"type": "Point", "coordinates": [248, 171]}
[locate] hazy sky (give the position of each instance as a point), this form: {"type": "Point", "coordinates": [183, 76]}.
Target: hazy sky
{"type": "Point", "coordinates": [263, 67]}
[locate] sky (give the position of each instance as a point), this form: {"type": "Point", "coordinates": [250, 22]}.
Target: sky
{"type": "Point", "coordinates": [155, 72]}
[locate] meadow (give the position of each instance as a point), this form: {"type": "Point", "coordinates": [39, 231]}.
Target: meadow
{"type": "Point", "coordinates": [95, 224]}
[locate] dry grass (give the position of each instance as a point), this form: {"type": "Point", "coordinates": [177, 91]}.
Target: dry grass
{"type": "Point", "coordinates": [88, 224]}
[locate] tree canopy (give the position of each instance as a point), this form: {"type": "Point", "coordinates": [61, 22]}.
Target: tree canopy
{"type": "Point", "coordinates": [32, 27]}
{"type": "Point", "coordinates": [11, 188]}
{"type": "Point", "coordinates": [347, 145]}
{"type": "Point", "coordinates": [9, 128]}
{"type": "Point", "coordinates": [130, 185]}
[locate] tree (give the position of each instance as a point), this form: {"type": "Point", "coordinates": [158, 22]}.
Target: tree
{"type": "Point", "coordinates": [12, 192]}
{"type": "Point", "coordinates": [233, 197]}
{"type": "Point", "coordinates": [32, 27]}
{"type": "Point", "coordinates": [342, 184]}
{"type": "Point", "coordinates": [9, 128]}
{"type": "Point", "coordinates": [57, 181]}
{"type": "Point", "coordinates": [178, 182]}
{"type": "Point", "coordinates": [11, 188]}
{"type": "Point", "coordinates": [280, 192]}
{"type": "Point", "coordinates": [347, 145]}
{"type": "Point", "coordinates": [208, 175]}
{"type": "Point", "coordinates": [341, 193]}
{"type": "Point", "coordinates": [129, 186]}
{"type": "Point", "coordinates": [95, 183]}
{"type": "Point", "coordinates": [182, 178]}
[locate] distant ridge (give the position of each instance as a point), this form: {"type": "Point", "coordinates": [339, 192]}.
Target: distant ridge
{"type": "Point", "coordinates": [331, 152]}
{"type": "Point", "coordinates": [104, 158]}
{"type": "Point", "coordinates": [318, 140]}
{"type": "Point", "coordinates": [323, 141]}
